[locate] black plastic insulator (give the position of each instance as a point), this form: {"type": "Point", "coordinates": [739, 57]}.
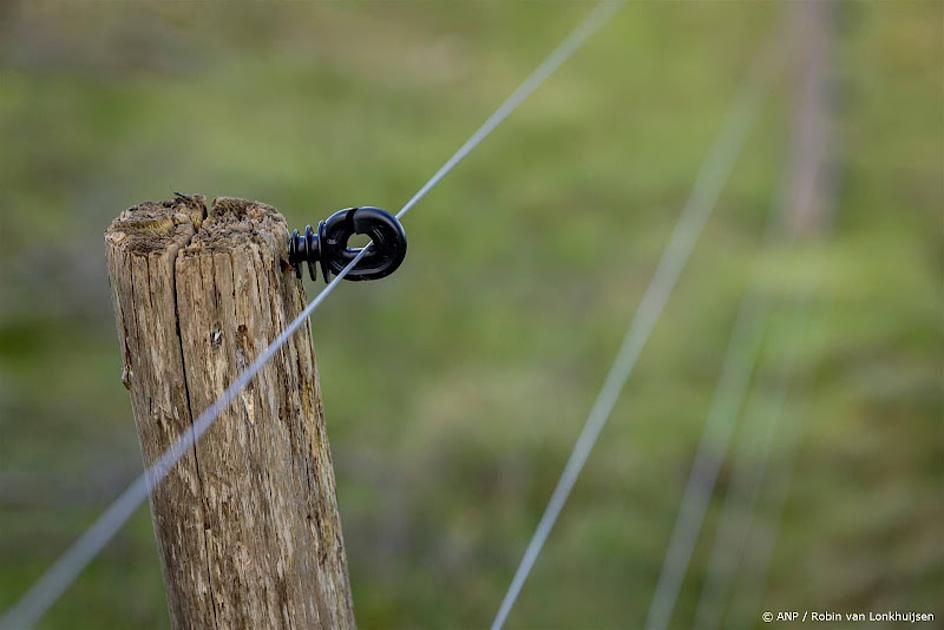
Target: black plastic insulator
{"type": "Point", "coordinates": [328, 245]}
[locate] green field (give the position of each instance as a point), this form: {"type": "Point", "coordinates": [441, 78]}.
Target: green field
{"type": "Point", "coordinates": [455, 389]}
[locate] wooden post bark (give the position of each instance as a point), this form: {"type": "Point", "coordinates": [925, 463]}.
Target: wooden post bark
{"type": "Point", "coordinates": [247, 523]}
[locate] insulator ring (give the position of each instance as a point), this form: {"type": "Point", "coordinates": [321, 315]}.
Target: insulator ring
{"type": "Point", "coordinates": [328, 245]}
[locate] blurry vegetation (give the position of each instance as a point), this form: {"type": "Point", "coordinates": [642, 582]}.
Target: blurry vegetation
{"type": "Point", "coordinates": [454, 389]}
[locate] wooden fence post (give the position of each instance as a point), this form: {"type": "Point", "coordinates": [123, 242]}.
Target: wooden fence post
{"type": "Point", "coordinates": [247, 523]}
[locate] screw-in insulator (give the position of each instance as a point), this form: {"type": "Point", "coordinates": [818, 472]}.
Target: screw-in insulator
{"type": "Point", "coordinates": [328, 244]}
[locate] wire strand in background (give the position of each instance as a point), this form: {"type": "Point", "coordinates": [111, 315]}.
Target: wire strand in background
{"type": "Point", "coordinates": [737, 514]}
{"type": "Point", "coordinates": [715, 171]}
{"type": "Point", "coordinates": [741, 356]}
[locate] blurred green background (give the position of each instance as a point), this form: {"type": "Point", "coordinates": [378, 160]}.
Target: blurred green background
{"type": "Point", "coordinates": [455, 389]}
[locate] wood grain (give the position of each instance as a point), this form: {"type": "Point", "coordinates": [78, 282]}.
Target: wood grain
{"type": "Point", "coordinates": [247, 523]}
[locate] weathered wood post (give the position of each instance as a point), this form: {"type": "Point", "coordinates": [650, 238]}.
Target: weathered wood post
{"type": "Point", "coordinates": [247, 523]}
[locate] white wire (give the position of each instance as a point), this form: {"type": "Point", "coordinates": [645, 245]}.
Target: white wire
{"type": "Point", "coordinates": [747, 477]}
{"type": "Point", "coordinates": [728, 398]}
{"type": "Point", "coordinates": [53, 583]}
{"type": "Point", "coordinates": [760, 541]}
{"type": "Point", "coordinates": [730, 391]}
{"type": "Point", "coordinates": [599, 16]}
{"type": "Point", "coordinates": [715, 171]}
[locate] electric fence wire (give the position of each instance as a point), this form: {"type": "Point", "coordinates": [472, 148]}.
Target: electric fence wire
{"type": "Point", "coordinates": [818, 179]}
{"type": "Point", "coordinates": [54, 582]}
{"type": "Point", "coordinates": [740, 360]}
{"type": "Point", "coordinates": [727, 400]}
{"type": "Point", "coordinates": [595, 20]}
{"type": "Point", "coordinates": [762, 539]}
{"type": "Point", "coordinates": [712, 176]}
{"type": "Point", "coordinates": [813, 192]}
{"type": "Point", "coordinates": [758, 540]}
{"type": "Point", "coordinates": [749, 472]}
